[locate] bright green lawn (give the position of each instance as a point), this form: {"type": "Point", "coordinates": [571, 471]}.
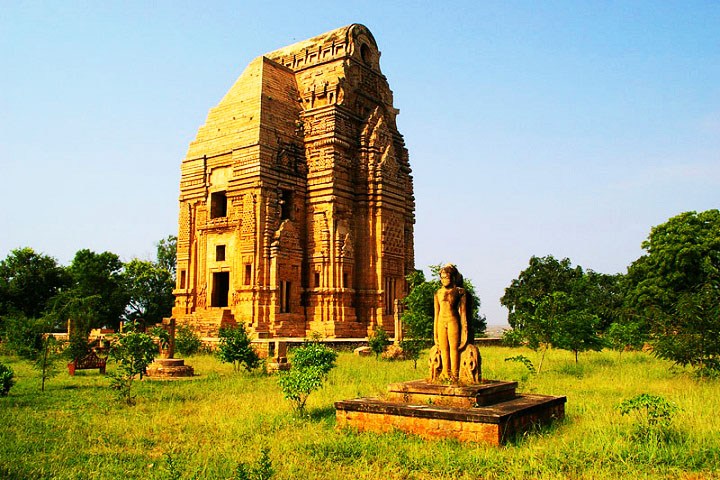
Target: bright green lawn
{"type": "Point", "coordinates": [77, 429]}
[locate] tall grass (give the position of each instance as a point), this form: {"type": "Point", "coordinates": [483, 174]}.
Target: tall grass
{"type": "Point", "coordinates": [77, 430]}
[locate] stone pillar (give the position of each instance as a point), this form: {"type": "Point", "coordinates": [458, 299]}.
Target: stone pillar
{"type": "Point", "coordinates": [398, 322]}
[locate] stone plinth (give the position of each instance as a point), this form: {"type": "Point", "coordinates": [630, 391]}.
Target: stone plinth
{"type": "Point", "coordinates": [168, 369]}
{"type": "Point", "coordinates": [488, 412]}
{"type": "Point", "coordinates": [422, 392]}
{"type": "Point", "coordinates": [494, 424]}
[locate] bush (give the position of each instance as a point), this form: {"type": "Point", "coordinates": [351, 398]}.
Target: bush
{"type": "Point", "coordinates": [133, 351]}
{"type": "Point", "coordinates": [22, 335]}
{"type": "Point", "coordinates": [378, 341]}
{"type": "Point", "coordinates": [235, 347]}
{"type": "Point", "coordinates": [314, 354]}
{"type": "Point", "coordinates": [654, 416]}
{"type": "Point", "coordinates": [187, 342]}
{"type": "Point", "coordinates": [262, 470]}
{"type": "Point", "coordinates": [6, 379]}
{"type": "Point", "coordinates": [310, 365]}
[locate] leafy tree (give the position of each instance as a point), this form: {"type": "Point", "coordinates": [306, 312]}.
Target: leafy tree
{"type": "Point", "coordinates": [310, 365]}
{"type": "Point", "coordinates": [625, 336]}
{"type": "Point", "coordinates": [133, 351]}
{"type": "Point", "coordinates": [149, 287]}
{"type": "Point", "coordinates": [543, 277]}
{"type": "Point", "coordinates": [378, 340]}
{"type": "Point", "coordinates": [99, 274]}
{"type": "Point", "coordinates": [552, 303]}
{"type": "Point", "coordinates": [28, 280]}
{"type": "Point", "coordinates": [691, 336]}
{"type": "Point", "coordinates": [22, 335]}
{"type": "Point", "coordinates": [30, 338]}
{"type": "Point", "coordinates": [674, 289]}
{"type": "Point", "coordinates": [419, 313]}
{"type": "Point", "coordinates": [167, 255]}
{"type": "Point", "coordinates": [314, 354]}
{"type": "Point", "coordinates": [578, 332]}
{"type": "Point", "coordinates": [236, 348]}
{"type": "Point", "coordinates": [683, 255]}
{"type": "Point", "coordinates": [81, 312]}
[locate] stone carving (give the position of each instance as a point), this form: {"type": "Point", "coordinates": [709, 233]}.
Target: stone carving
{"type": "Point", "coordinates": [453, 357]}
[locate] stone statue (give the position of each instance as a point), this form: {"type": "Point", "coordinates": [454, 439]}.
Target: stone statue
{"type": "Point", "coordinates": [453, 357]}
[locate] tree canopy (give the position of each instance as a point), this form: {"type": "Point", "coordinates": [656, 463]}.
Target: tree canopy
{"type": "Point", "coordinates": [28, 280]}
{"type": "Point", "coordinates": [675, 289]}
{"type": "Point", "coordinates": [99, 275]}
{"type": "Point", "coordinates": [552, 303]}
{"type": "Point", "coordinates": [149, 287]}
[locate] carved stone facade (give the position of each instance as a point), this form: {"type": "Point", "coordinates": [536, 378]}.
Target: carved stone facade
{"type": "Point", "coordinates": [296, 199]}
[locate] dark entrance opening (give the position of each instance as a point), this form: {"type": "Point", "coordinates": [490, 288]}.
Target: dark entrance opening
{"type": "Point", "coordinates": [221, 288]}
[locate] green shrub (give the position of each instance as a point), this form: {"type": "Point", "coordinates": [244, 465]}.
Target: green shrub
{"type": "Point", "coordinates": [314, 354]}
{"type": "Point", "coordinates": [378, 340]}
{"type": "Point", "coordinates": [310, 365]}
{"type": "Point", "coordinates": [187, 342]}
{"type": "Point", "coordinates": [262, 470]}
{"type": "Point", "coordinates": [133, 351]}
{"type": "Point", "coordinates": [6, 379]}
{"type": "Point", "coordinates": [653, 413]}
{"type": "Point", "coordinates": [525, 361]}
{"type": "Point", "coordinates": [236, 348]}
{"type": "Point", "coordinates": [22, 335]}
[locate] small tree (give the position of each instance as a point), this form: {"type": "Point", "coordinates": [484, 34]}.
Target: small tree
{"type": "Point", "coordinates": [236, 348]}
{"type": "Point", "coordinates": [577, 332]}
{"type": "Point", "coordinates": [653, 413]}
{"type": "Point", "coordinates": [133, 351]}
{"type": "Point", "coordinates": [6, 379]}
{"type": "Point", "coordinates": [412, 349]}
{"type": "Point", "coordinates": [310, 365]}
{"type": "Point", "coordinates": [378, 341]}
{"type": "Point", "coordinates": [46, 360]}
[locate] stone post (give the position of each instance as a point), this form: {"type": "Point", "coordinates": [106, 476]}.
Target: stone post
{"type": "Point", "coordinates": [398, 322]}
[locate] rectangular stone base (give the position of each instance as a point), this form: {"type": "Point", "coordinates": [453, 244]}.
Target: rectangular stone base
{"type": "Point", "coordinates": [422, 392]}
{"type": "Point", "coordinates": [494, 424]}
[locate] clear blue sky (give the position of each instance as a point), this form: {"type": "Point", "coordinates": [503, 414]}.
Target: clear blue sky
{"type": "Point", "coordinates": [534, 128]}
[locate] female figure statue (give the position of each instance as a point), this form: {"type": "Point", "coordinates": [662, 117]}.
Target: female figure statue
{"type": "Point", "coordinates": [451, 321]}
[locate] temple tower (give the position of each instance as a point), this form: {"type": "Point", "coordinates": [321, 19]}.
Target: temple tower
{"type": "Point", "coordinates": [296, 199]}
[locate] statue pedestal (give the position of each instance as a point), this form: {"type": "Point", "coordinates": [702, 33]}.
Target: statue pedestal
{"type": "Point", "coordinates": [422, 392]}
{"type": "Point", "coordinates": [488, 412]}
{"type": "Point", "coordinates": [168, 369]}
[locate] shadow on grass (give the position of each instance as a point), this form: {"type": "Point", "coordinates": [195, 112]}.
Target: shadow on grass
{"type": "Point", "coordinates": [322, 414]}
{"type": "Point", "coordinates": [537, 430]}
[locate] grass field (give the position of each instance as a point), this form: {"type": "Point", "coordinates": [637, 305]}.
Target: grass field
{"type": "Point", "coordinates": [203, 427]}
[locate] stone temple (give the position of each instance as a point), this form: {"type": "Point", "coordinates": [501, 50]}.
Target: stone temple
{"type": "Point", "coordinates": [296, 197]}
